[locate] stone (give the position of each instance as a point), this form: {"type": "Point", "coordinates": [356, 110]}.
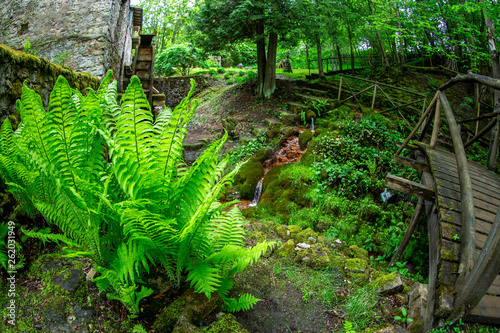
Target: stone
{"type": "Point", "coordinates": [312, 240]}
{"type": "Point", "coordinates": [355, 251]}
{"type": "Point", "coordinates": [417, 307]}
{"type": "Point", "coordinates": [388, 284]}
{"type": "Point", "coordinates": [304, 235]}
{"type": "Point", "coordinates": [240, 65]}
{"type": "Point", "coordinates": [233, 194]}
{"type": "Point", "coordinates": [227, 324]}
{"type": "Point", "coordinates": [302, 246]}
{"type": "Point", "coordinates": [184, 326]}
{"type": "Point", "coordinates": [69, 280]}
{"type": "Point", "coordinates": [392, 329]}
{"type": "Point", "coordinates": [356, 265]}
{"type": "Point", "coordinates": [194, 306]}
{"type": "Point", "coordinates": [286, 250]}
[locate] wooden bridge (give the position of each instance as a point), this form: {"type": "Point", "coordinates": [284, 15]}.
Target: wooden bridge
{"type": "Point", "coordinates": [462, 201]}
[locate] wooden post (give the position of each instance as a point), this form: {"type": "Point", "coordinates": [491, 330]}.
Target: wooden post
{"type": "Point", "coordinates": [409, 232]}
{"type": "Point", "coordinates": [374, 96]}
{"type": "Point", "coordinates": [435, 130]}
{"type": "Point", "coordinates": [493, 152]}
{"type": "Point", "coordinates": [340, 57]}
{"type": "Point", "coordinates": [478, 104]}
{"type": "Point", "coordinates": [352, 92]}
{"type": "Point", "coordinates": [340, 87]}
{"type": "Point", "coordinates": [468, 234]}
{"type": "Point", "coordinates": [481, 133]}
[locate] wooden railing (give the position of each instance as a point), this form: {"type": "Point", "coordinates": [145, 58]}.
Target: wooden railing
{"type": "Point", "coordinates": [377, 87]}
{"type": "Point", "coordinates": [476, 274]}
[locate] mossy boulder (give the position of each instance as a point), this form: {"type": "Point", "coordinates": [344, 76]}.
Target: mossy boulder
{"type": "Point", "coordinates": [194, 306]}
{"type": "Point", "coordinates": [227, 324]}
{"type": "Point", "coordinates": [304, 235]}
{"type": "Point", "coordinates": [287, 250]}
{"type": "Point", "coordinates": [356, 265]}
{"type": "Point", "coordinates": [304, 138]}
{"type": "Point", "coordinates": [247, 178]}
{"type": "Point", "coordinates": [355, 251]}
{"type": "Point", "coordinates": [315, 257]}
{"type": "Point", "coordinates": [184, 326]}
{"type": "Point", "coordinates": [388, 284]}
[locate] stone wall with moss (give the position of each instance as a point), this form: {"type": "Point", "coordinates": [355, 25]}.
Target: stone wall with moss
{"type": "Point", "coordinates": [87, 35]}
{"type": "Point", "coordinates": [16, 67]}
{"type": "Point", "coordinates": [176, 88]}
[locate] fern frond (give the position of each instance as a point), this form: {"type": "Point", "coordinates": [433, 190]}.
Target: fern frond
{"type": "Point", "coordinates": [245, 302]}
{"type": "Point", "coordinates": [227, 229]}
{"type": "Point", "coordinates": [103, 87]}
{"type": "Point", "coordinates": [111, 109]}
{"type": "Point", "coordinates": [204, 277]}
{"type": "Point", "coordinates": [56, 238]}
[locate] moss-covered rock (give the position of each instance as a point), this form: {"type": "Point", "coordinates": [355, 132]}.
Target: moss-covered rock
{"type": "Point", "coordinates": [247, 178]}
{"type": "Point", "coordinates": [287, 250]}
{"type": "Point", "coordinates": [184, 326]}
{"type": "Point", "coordinates": [304, 138]}
{"type": "Point", "coordinates": [356, 265]}
{"type": "Point", "coordinates": [304, 235]}
{"type": "Point", "coordinates": [355, 251]}
{"type": "Point", "coordinates": [314, 257]}
{"type": "Point", "coordinates": [227, 324]}
{"type": "Point", "coordinates": [388, 284]}
{"type": "Point", "coordinates": [194, 306]}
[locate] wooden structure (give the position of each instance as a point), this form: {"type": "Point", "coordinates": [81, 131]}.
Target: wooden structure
{"type": "Point", "coordinates": [378, 88]}
{"type": "Point", "coordinates": [463, 211]}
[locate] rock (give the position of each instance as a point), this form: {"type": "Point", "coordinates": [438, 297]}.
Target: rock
{"type": "Point", "coordinates": [227, 324]}
{"type": "Point", "coordinates": [304, 235]}
{"type": "Point", "coordinates": [388, 284]}
{"type": "Point", "coordinates": [247, 178]}
{"type": "Point", "coordinates": [286, 250]}
{"type": "Point", "coordinates": [356, 265]}
{"type": "Point", "coordinates": [90, 275]}
{"type": "Point", "coordinates": [312, 240]}
{"type": "Point", "coordinates": [417, 307]}
{"type": "Point", "coordinates": [304, 138]}
{"type": "Point", "coordinates": [315, 257]}
{"type": "Point", "coordinates": [69, 280]}
{"type": "Point", "coordinates": [184, 326]}
{"type": "Point", "coordinates": [302, 246]}
{"type": "Point", "coordinates": [194, 306]}
{"type": "Point", "coordinates": [233, 194]}
{"type": "Point", "coordinates": [240, 65]}
{"type": "Point", "coordinates": [355, 251]}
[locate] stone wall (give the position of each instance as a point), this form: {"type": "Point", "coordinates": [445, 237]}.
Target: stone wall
{"type": "Point", "coordinates": [16, 67]}
{"type": "Point", "coordinates": [176, 88]}
{"type": "Point", "coordinates": [91, 33]}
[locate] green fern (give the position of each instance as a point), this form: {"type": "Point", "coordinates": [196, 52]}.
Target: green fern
{"type": "Point", "coordinates": [115, 183]}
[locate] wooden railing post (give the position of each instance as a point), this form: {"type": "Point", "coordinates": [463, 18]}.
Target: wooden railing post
{"type": "Point", "coordinates": [340, 87]}
{"type": "Point", "coordinates": [435, 129]}
{"type": "Point", "coordinates": [374, 96]}
{"type": "Point", "coordinates": [468, 236]}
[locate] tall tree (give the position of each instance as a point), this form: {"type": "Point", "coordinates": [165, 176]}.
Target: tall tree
{"type": "Point", "coordinates": [225, 22]}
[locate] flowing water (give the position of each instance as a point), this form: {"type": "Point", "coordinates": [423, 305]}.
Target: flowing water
{"type": "Point", "coordinates": [312, 124]}
{"type": "Point", "coordinates": [290, 152]}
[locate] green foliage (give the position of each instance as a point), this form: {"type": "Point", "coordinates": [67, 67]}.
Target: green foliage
{"type": "Point", "coordinates": [178, 56]}
{"type": "Point", "coordinates": [348, 327]}
{"type": "Point", "coordinates": [27, 47]}
{"type": "Point", "coordinates": [11, 256]}
{"type": "Point", "coordinates": [135, 206]}
{"type": "Point", "coordinates": [248, 149]}
{"type": "Point", "coordinates": [360, 307]}
{"type": "Point", "coordinates": [403, 318]}
{"type": "Point", "coordinates": [62, 59]}
{"type": "Point", "coordinates": [400, 268]}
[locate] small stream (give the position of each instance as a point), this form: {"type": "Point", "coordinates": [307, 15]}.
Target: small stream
{"type": "Point", "coordinates": [290, 152]}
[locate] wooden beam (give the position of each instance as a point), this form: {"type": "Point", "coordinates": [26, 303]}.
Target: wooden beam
{"type": "Point", "coordinates": [484, 116]}
{"type": "Point", "coordinates": [468, 237]}
{"type": "Point", "coordinates": [409, 187]}
{"type": "Point", "coordinates": [409, 232]}
{"type": "Point", "coordinates": [435, 129]}
{"type": "Point", "coordinates": [484, 272]}
{"type": "Point", "coordinates": [411, 163]}
{"type": "Point", "coordinates": [481, 133]}
{"type": "Point", "coordinates": [470, 77]}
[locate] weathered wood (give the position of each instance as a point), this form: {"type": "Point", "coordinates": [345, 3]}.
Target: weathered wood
{"type": "Point", "coordinates": [470, 77]}
{"type": "Point", "coordinates": [427, 123]}
{"type": "Point", "coordinates": [411, 163]}
{"type": "Point", "coordinates": [386, 85]}
{"type": "Point", "coordinates": [386, 96]}
{"type": "Point", "coordinates": [434, 259]}
{"type": "Point", "coordinates": [435, 129]}
{"type": "Point", "coordinates": [352, 92]}
{"type": "Point", "coordinates": [468, 241]}
{"type": "Point", "coordinates": [484, 116]}
{"type": "Point", "coordinates": [454, 217]}
{"type": "Point", "coordinates": [493, 151]}
{"type": "Point", "coordinates": [408, 233]}
{"type": "Point", "coordinates": [409, 187]}
{"type": "Point", "coordinates": [486, 311]}
{"type": "Point", "coordinates": [402, 106]}
{"type": "Point", "coordinates": [482, 275]}
{"type": "Point", "coordinates": [451, 231]}
{"type": "Point", "coordinates": [374, 96]}
{"type": "Point", "coordinates": [481, 133]}
{"type": "Point", "coordinates": [415, 129]}
{"type": "Point", "coordinates": [340, 85]}
{"type": "Point", "coordinates": [362, 91]}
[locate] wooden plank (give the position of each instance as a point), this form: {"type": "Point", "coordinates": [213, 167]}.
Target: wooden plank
{"type": "Point", "coordinates": [450, 251]}
{"type": "Point", "coordinates": [480, 174]}
{"type": "Point", "coordinates": [488, 189]}
{"type": "Point", "coordinates": [454, 217]}
{"type": "Point", "coordinates": [448, 271]}
{"type": "Point", "coordinates": [478, 203]}
{"type": "Point", "coordinates": [489, 197]}
{"type": "Point", "coordinates": [487, 311]}
{"type": "Point", "coordinates": [495, 287]}
{"type": "Point", "coordinates": [455, 206]}
{"type": "Point", "coordinates": [451, 231]}
{"type": "Point", "coordinates": [409, 187]}
{"type": "Point", "coordinates": [411, 163]}
{"type": "Point", "coordinates": [434, 259]}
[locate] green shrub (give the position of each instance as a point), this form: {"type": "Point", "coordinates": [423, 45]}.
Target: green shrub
{"type": "Point", "coordinates": [132, 207]}
{"type": "Point", "coordinates": [179, 56]}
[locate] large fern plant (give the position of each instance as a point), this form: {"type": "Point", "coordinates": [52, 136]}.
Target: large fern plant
{"type": "Point", "coordinates": [114, 181]}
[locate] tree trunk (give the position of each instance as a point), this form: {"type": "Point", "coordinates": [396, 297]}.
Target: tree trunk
{"type": "Point", "coordinates": [382, 49]}
{"type": "Point", "coordinates": [349, 35]}
{"type": "Point", "coordinates": [270, 73]}
{"type": "Point", "coordinates": [320, 59]}
{"type": "Point", "coordinates": [261, 56]}
{"type": "Point", "coordinates": [340, 57]}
